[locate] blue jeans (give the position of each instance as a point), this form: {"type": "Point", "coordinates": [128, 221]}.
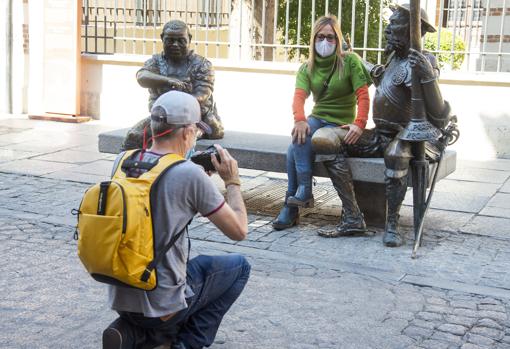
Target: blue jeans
{"type": "Point", "coordinates": [217, 281]}
{"type": "Point", "coordinates": [300, 156]}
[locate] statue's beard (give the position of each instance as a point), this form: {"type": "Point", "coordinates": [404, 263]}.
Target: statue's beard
{"type": "Point", "coordinates": [399, 46]}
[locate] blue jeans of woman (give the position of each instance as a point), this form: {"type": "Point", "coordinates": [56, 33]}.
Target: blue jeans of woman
{"type": "Point", "coordinates": [300, 157]}
{"type": "Point", "coordinates": [217, 281]}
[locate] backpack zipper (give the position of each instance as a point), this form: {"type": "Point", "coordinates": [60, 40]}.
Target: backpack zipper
{"type": "Point", "coordinates": [124, 208]}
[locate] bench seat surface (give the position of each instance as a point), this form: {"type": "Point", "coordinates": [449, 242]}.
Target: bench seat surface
{"type": "Point", "coordinates": [268, 153]}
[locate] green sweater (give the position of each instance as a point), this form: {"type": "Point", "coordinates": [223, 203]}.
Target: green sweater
{"type": "Point", "coordinates": [338, 103]}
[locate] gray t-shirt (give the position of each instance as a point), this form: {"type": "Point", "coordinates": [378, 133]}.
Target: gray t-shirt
{"type": "Point", "coordinates": [182, 192]}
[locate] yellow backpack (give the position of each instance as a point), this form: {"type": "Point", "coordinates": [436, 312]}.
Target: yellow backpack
{"type": "Point", "coordinates": [115, 240]}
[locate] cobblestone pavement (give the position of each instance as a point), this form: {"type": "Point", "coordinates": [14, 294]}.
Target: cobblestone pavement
{"type": "Point", "coordinates": [304, 292]}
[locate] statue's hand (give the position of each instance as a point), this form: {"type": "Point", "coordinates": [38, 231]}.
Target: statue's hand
{"type": "Point", "coordinates": [176, 84]}
{"type": "Point", "coordinates": [421, 65]}
{"type": "Point", "coordinates": [187, 86]}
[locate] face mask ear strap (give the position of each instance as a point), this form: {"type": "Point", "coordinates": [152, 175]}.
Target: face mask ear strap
{"type": "Point", "coordinates": [146, 141]}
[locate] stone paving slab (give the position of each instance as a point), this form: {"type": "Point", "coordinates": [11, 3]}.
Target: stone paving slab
{"type": "Point", "coordinates": [477, 188]}
{"type": "Point", "coordinates": [71, 157]}
{"type": "Point", "coordinates": [480, 175]}
{"type": "Point", "coordinates": [496, 212]}
{"type": "Point", "coordinates": [41, 148]}
{"type": "Point", "coordinates": [460, 201]}
{"type": "Point", "coordinates": [7, 154]}
{"type": "Point", "coordinates": [506, 187]}
{"type": "Point", "coordinates": [437, 220]}
{"type": "Point", "coordinates": [488, 226]}
{"type": "Point", "coordinates": [67, 175]}
{"type": "Point", "coordinates": [92, 148]}
{"type": "Point", "coordinates": [33, 167]}
{"type": "Point", "coordinates": [500, 200]}
{"type": "Point", "coordinates": [98, 168]}
{"type": "Point", "coordinates": [498, 206]}
{"type": "Point", "coordinates": [13, 137]}
{"type": "Point", "coordinates": [494, 164]}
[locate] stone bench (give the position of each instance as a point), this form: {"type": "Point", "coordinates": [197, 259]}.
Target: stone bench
{"type": "Point", "coordinates": [268, 153]}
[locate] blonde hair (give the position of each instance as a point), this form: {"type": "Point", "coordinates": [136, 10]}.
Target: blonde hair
{"type": "Point", "coordinates": [319, 24]}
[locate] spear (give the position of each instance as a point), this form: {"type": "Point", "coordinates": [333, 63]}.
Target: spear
{"type": "Point", "coordinates": [417, 131]}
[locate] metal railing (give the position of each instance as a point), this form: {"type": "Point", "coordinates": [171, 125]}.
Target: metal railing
{"type": "Point", "coordinates": [472, 35]}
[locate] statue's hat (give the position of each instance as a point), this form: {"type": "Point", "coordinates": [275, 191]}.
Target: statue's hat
{"type": "Point", "coordinates": [423, 14]}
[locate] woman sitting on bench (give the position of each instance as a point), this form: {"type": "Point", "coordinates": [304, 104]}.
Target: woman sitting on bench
{"type": "Point", "coordinates": [338, 81]}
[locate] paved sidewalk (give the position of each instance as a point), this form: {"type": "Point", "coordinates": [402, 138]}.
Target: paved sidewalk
{"type": "Point", "coordinates": [305, 291]}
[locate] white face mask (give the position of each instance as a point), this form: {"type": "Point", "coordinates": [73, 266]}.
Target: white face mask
{"type": "Point", "coordinates": [189, 153]}
{"type": "Point", "coordinates": [325, 48]}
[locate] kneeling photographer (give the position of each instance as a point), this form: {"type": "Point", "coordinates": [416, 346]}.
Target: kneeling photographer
{"type": "Point", "coordinates": [192, 296]}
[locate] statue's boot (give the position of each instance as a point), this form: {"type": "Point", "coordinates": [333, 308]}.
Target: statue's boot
{"type": "Point", "coordinates": [395, 193]}
{"type": "Point", "coordinates": [214, 122]}
{"type": "Point", "coordinates": [134, 137]}
{"type": "Point", "coordinates": [304, 195]}
{"type": "Point", "coordinates": [352, 220]}
{"type": "Point", "coordinates": [288, 216]}
{"type": "Point", "coordinates": [328, 140]}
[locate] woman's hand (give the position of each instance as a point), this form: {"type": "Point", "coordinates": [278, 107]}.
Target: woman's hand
{"type": "Point", "coordinates": [300, 131]}
{"type": "Point", "coordinates": [353, 134]}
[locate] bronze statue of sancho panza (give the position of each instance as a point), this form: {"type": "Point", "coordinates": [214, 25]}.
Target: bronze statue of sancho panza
{"type": "Point", "coordinates": [177, 68]}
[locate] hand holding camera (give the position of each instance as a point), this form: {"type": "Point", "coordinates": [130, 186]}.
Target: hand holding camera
{"type": "Point", "coordinates": [203, 158]}
{"type": "Point", "coordinates": [215, 158]}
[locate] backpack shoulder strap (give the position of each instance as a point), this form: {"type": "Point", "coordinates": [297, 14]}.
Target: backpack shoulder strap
{"type": "Point", "coordinates": [166, 161]}
{"type": "Point", "coordinates": [163, 164]}
{"type": "Point", "coordinates": [150, 267]}
{"type": "Point", "coordinates": [118, 171]}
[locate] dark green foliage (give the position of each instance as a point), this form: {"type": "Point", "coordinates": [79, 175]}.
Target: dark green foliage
{"type": "Point", "coordinates": [446, 39]}
{"type": "Point", "coordinates": [357, 38]}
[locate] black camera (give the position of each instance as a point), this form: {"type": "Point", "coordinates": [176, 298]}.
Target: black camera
{"type": "Point", "coordinates": [203, 158]}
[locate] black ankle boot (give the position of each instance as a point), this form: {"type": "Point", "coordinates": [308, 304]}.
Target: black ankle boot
{"type": "Point", "coordinates": [288, 216]}
{"type": "Point", "coordinates": [121, 334]}
{"type": "Point", "coordinates": [118, 335]}
{"type": "Point", "coordinates": [304, 195]}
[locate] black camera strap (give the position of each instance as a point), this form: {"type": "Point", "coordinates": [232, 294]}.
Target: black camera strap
{"type": "Point", "coordinates": [325, 83]}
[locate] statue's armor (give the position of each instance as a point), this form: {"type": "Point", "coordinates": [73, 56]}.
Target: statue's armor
{"type": "Point", "coordinates": [392, 101]}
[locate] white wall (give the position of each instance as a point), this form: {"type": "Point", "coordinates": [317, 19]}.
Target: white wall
{"type": "Point", "coordinates": [3, 57]}
{"type": "Point", "coordinates": [36, 60]}
{"type": "Point", "coordinates": [261, 102]}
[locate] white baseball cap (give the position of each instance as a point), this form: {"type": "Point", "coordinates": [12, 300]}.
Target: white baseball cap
{"type": "Point", "coordinates": [178, 108]}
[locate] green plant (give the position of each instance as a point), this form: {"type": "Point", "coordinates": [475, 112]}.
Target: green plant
{"type": "Point", "coordinates": [446, 42]}
{"type": "Point", "coordinates": [345, 22]}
